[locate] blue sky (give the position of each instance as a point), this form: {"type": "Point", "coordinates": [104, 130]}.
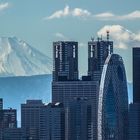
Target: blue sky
{"type": "Point", "coordinates": [40, 22]}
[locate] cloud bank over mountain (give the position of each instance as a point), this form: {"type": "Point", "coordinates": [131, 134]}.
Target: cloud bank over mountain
{"type": "Point", "coordinates": [123, 38]}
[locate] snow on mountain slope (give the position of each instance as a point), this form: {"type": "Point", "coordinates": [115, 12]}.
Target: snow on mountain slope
{"type": "Point", "coordinates": [17, 58]}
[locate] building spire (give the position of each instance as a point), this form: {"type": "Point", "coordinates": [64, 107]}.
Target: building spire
{"type": "Point", "coordinates": [107, 35]}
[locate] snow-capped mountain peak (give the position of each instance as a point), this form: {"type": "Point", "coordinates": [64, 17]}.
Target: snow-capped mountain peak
{"type": "Point", "coordinates": [18, 58]}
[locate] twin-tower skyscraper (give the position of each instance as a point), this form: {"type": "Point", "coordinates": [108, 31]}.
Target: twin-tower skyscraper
{"type": "Point", "coordinates": [104, 86]}
{"type": "Point", "coordinates": [65, 56]}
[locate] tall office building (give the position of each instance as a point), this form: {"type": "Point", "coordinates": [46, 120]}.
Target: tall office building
{"type": "Point", "coordinates": [97, 54]}
{"type": "Point", "coordinates": [66, 85]}
{"type": "Point", "coordinates": [65, 56]}
{"type": "Point", "coordinates": [134, 121]}
{"type": "Point", "coordinates": [80, 120]}
{"type": "Point", "coordinates": [65, 91]}
{"type": "Point", "coordinates": [1, 104]}
{"type": "Point", "coordinates": [43, 122]}
{"type": "Point", "coordinates": [113, 101]}
{"type": "Point", "coordinates": [13, 134]}
{"type": "Point", "coordinates": [52, 124]}
{"type": "Point", "coordinates": [30, 118]}
{"type": "Point", "coordinates": [134, 108]}
{"type": "Point", "coordinates": [136, 75]}
{"type": "Point", "coordinates": [8, 118]}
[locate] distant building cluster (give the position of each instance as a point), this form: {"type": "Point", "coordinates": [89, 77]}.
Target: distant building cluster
{"type": "Point", "coordinates": [93, 107]}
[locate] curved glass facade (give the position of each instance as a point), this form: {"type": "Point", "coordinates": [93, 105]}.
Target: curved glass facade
{"type": "Point", "coordinates": [113, 101]}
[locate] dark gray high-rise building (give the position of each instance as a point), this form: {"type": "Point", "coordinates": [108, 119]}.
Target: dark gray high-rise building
{"type": "Point", "coordinates": [65, 59]}
{"type": "Point", "coordinates": [13, 134]}
{"type": "Point", "coordinates": [66, 85]}
{"type": "Point", "coordinates": [97, 54]}
{"type": "Point", "coordinates": [30, 118]}
{"type": "Point", "coordinates": [80, 119]}
{"type": "Point", "coordinates": [1, 104]}
{"type": "Point", "coordinates": [8, 121]}
{"type": "Point", "coordinates": [134, 121]}
{"type": "Point", "coordinates": [8, 118]}
{"type": "Point", "coordinates": [65, 91]}
{"type": "Point", "coordinates": [134, 108]}
{"type": "Point", "coordinates": [52, 122]}
{"type": "Point", "coordinates": [136, 75]}
{"type": "Point", "coordinates": [113, 101]}
{"type": "Point", "coordinates": [43, 122]}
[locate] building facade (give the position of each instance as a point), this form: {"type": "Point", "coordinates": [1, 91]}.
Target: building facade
{"type": "Point", "coordinates": [13, 134]}
{"type": "Point", "coordinates": [30, 118]}
{"type": "Point", "coordinates": [67, 86]}
{"type": "Point", "coordinates": [8, 118]}
{"type": "Point", "coordinates": [8, 121]}
{"type": "Point", "coordinates": [98, 51]}
{"type": "Point", "coordinates": [52, 122]}
{"type": "Point", "coordinates": [136, 75]}
{"type": "Point", "coordinates": [134, 108]}
{"type": "Point", "coordinates": [80, 119]}
{"type": "Point", "coordinates": [113, 101]}
{"type": "Point", "coordinates": [134, 121]}
{"type": "Point", "coordinates": [43, 122]}
{"type": "Point", "coordinates": [1, 104]}
{"type": "Point", "coordinates": [65, 60]}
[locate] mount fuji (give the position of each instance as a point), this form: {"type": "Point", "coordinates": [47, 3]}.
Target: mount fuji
{"type": "Point", "coordinates": [25, 73]}
{"type": "Point", "coordinates": [18, 58]}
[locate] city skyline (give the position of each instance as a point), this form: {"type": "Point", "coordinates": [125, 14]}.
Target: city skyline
{"type": "Point", "coordinates": [109, 99]}
{"type": "Point", "coordinates": [40, 23]}
{"type": "Point", "coordinates": [84, 62]}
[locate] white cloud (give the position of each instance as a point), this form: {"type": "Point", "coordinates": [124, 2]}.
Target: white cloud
{"type": "Point", "coordinates": [60, 13]}
{"type": "Point", "coordinates": [80, 12]}
{"type": "Point", "coordinates": [84, 13]}
{"type": "Point", "coordinates": [4, 6]}
{"type": "Point", "coordinates": [60, 35]}
{"type": "Point", "coordinates": [111, 16]}
{"type": "Point", "coordinates": [82, 44]}
{"type": "Point", "coordinates": [133, 15]}
{"type": "Point", "coordinates": [105, 15]}
{"type": "Point", "coordinates": [123, 38]}
{"type": "Point", "coordinates": [76, 12]}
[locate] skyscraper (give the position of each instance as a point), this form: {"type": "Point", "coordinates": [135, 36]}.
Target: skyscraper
{"type": "Point", "coordinates": [97, 54]}
{"type": "Point", "coordinates": [8, 118]}
{"type": "Point", "coordinates": [65, 91]}
{"type": "Point", "coordinates": [134, 108]}
{"type": "Point", "coordinates": [66, 85]}
{"type": "Point", "coordinates": [43, 122]}
{"type": "Point", "coordinates": [80, 120]}
{"type": "Point", "coordinates": [52, 122]}
{"type": "Point", "coordinates": [134, 121]}
{"type": "Point", "coordinates": [1, 103]}
{"type": "Point", "coordinates": [30, 118]}
{"type": "Point", "coordinates": [113, 101]}
{"type": "Point", "coordinates": [65, 56]}
{"type": "Point", "coordinates": [136, 75]}
{"type": "Point", "coordinates": [13, 134]}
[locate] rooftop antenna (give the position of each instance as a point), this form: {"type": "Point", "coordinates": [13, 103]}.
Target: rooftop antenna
{"type": "Point", "coordinates": [101, 37]}
{"type": "Point", "coordinates": [98, 38]}
{"type": "Point", "coordinates": [107, 35]}
{"type": "Point", "coordinates": [92, 39]}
